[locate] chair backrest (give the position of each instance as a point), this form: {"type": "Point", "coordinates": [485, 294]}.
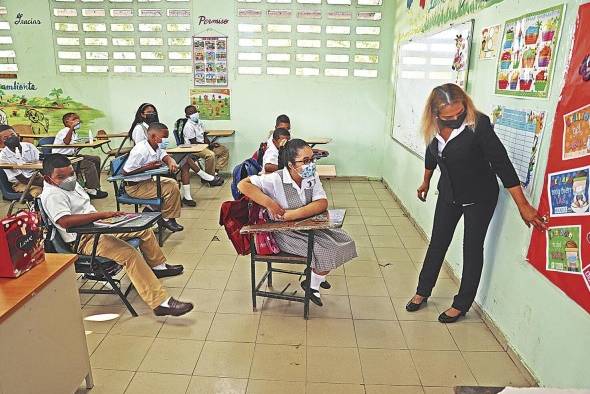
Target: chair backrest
{"type": "Point", "coordinates": [178, 130]}
{"type": "Point", "coordinates": [117, 164]}
{"type": "Point", "coordinates": [46, 141]}
{"type": "Point", "coordinates": [53, 236]}
{"type": "Point", "coordinates": [6, 188]}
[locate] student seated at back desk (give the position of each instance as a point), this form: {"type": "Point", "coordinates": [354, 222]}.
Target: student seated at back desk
{"type": "Point", "coordinates": [17, 152]}
{"type": "Point", "coordinates": [217, 156]}
{"type": "Point", "coordinates": [68, 205]}
{"type": "Point", "coordinates": [148, 155]}
{"type": "Point", "coordinates": [270, 160]}
{"type": "Point", "coordinates": [90, 165]}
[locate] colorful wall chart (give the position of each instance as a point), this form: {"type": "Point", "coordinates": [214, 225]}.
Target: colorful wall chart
{"type": "Point", "coordinates": [213, 104]}
{"type": "Point", "coordinates": [527, 54]}
{"type": "Point", "coordinates": [210, 61]}
{"type": "Point", "coordinates": [561, 254]}
{"type": "Point", "coordinates": [576, 133]}
{"type": "Point", "coordinates": [489, 41]}
{"type": "Point", "coordinates": [521, 132]}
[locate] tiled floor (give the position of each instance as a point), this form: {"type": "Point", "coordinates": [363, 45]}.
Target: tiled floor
{"type": "Point", "coordinates": [361, 341]}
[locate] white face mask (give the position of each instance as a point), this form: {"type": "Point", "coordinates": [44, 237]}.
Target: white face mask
{"type": "Point", "coordinates": [164, 144]}
{"type": "Point", "coordinates": [194, 117]}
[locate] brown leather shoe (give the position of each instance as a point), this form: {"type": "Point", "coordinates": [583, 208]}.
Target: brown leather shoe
{"type": "Point", "coordinates": [171, 270]}
{"type": "Point", "coordinates": [175, 308]}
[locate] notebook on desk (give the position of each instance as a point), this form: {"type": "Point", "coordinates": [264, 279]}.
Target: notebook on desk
{"type": "Point", "coordinates": [333, 215]}
{"type": "Point", "coordinates": [117, 220]}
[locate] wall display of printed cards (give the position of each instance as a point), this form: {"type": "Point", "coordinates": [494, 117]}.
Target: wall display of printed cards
{"type": "Point", "coordinates": [528, 52]}
{"type": "Point", "coordinates": [210, 61]}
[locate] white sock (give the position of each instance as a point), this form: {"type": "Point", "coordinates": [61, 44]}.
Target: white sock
{"type": "Point", "coordinates": [160, 267]}
{"type": "Point", "coordinates": [186, 192]}
{"type": "Point", "coordinates": [205, 176]}
{"type": "Point", "coordinates": [91, 191]}
{"type": "Point", "coordinates": [316, 280]}
{"type": "Point", "coordinates": [165, 303]}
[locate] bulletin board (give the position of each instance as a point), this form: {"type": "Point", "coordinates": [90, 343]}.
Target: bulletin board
{"type": "Point", "coordinates": [423, 63]}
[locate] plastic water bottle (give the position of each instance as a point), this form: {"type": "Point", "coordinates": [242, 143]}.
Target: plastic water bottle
{"type": "Point", "coordinates": [90, 137]}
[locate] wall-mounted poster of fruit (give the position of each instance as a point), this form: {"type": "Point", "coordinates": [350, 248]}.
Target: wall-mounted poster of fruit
{"type": "Point", "coordinates": [528, 50]}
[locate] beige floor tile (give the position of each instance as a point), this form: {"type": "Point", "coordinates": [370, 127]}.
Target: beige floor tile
{"type": "Point", "coordinates": [274, 387]}
{"type": "Point", "coordinates": [157, 383]}
{"type": "Point", "coordinates": [442, 368]}
{"type": "Point", "coordinates": [281, 330]}
{"type": "Point", "coordinates": [362, 240]}
{"type": "Point", "coordinates": [379, 334]}
{"type": "Point", "coordinates": [217, 262]}
{"type": "Point", "coordinates": [494, 369]}
{"type": "Point", "coordinates": [392, 255]}
{"type": "Point", "coordinates": [403, 286]}
{"type": "Point", "coordinates": [369, 204]}
{"type": "Point", "coordinates": [385, 366]}
{"type": "Point", "coordinates": [178, 255]}
{"type": "Point", "coordinates": [354, 220]}
{"type": "Point", "coordinates": [338, 285]}
{"type": "Point", "coordinates": [383, 389]}
{"type": "Point", "coordinates": [366, 286]}
{"type": "Point", "coordinates": [278, 362]}
{"type": "Point", "coordinates": [121, 352]}
{"type": "Point", "coordinates": [331, 333]}
{"type": "Point", "coordinates": [414, 242]}
{"type": "Point", "coordinates": [386, 241]}
{"type": "Point", "coordinates": [336, 307]}
{"type": "Point", "coordinates": [377, 220]}
{"type": "Point", "coordinates": [204, 300]}
{"type": "Point", "coordinates": [369, 195]}
{"type": "Point", "coordinates": [214, 385]}
{"type": "Point", "coordinates": [234, 328]}
{"type": "Point", "coordinates": [374, 308]}
{"type": "Point", "coordinates": [93, 339]}
{"type": "Point", "coordinates": [334, 388]}
{"type": "Point", "coordinates": [438, 390]}
{"type": "Point", "coordinates": [362, 268]}
{"type": "Point", "coordinates": [425, 335]}
{"type": "Point", "coordinates": [474, 337]}
{"type": "Point", "coordinates": [236, 302]}
{"type": "Point", "coordinates": [373, 212]}
{"type": "Point", "coordinates": [417, 254]}
{"type": "Point", "coordinates": [391, 269]}
{"type": "Point", "coordinates": [322, 368]}
{"type": "Point", "coordinates": [177, 356]}
{"type": "Point", "coordinates": [208, 279]}
{"type": "Point", "coordinates": [225, 359]}
{"type": "Point", "coordinates": [178, 280]}
{"type": "Point", "coordinates": [394, 212]}
{"type": "Point", "coordinates": [145, 325]}
{"type": "Point", "coordinates": [194, 325]}
{"type": "Point", "coordinates": [271, 306]}
{"type": "Point", "coordinates": [108, 381]}
{"type": "Point", "coordinates": [100, 319]}
{"type": "Point", "coordinates": [445, 288]}
{"type": "Point", "coordinates": [381, 230]}
{"type": "Point", "coordinates": [426, 313]}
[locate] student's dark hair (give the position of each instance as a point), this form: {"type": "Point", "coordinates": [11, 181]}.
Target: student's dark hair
{"type": "Point", "coordinates": [156, 126]}
{"type": "Point", "coordinates": [288, 152]}
{"type": "Point", "coordinates": [282, 119]}
{"type": "Point", "coordinates": [189, 107]}
{"type": "Point", "coordinates": [4, 127]}
{"type": "Point", "coordinates": [53, 161]}
{"type": "Point", "coordinates": [68, 116]}
{"type": "Point", "coordinates": [138, 119]}
{"type": "Point", "coordinates": [280, 132]}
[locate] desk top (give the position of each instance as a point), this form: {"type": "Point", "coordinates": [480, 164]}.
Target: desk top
{"type": "Point", "coordinates": [220, 133]}
{"type": "Point", "coordinates": [35, 136]}
{"type": "Point", "coordinates": [317, 140]}
{"type": "Point", "coordinates": [156, 171]}
{"type": "Point", "coordinates": [37, 165]}
{"type": "Point", "coordinates": [144, 221]}
{"type": "Point", "coordinates": [326, 170]}
{"type": "Point", "coordinates": [187, 148]}
{"type": "Point", "coordinates": [333, 218]}
{"type": "Point", "coordinates": [16, 292]}
{"type": "Point", "coordinates": [94, 144]}
{"type": "Point", "coordinates": [111, 135]}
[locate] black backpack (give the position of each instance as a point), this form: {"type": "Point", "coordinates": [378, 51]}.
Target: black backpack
{"type": "Point", "coordinates": [178, 130]}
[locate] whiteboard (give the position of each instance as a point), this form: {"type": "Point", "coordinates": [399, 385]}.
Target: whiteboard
{"type": "Point", "coordinates": [423, 63]}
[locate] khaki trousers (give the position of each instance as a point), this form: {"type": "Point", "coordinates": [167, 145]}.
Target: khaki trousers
{"type": "Point", "coordinates": [34, 191]}
{"type": "Point", "coordinates": [90, 169]}
{"type": "Point", "coordinates": [138, 265]}
{"type": "Point", "coordinates": [170, 194]}
{"type": "Point", "coordinates": [216, 159]}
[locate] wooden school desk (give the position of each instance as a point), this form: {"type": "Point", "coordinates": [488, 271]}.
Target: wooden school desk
{"type": "Point", "coordinates": [326, 170]}
{"type": "Point", "coordinates": [34, 136]}
{"type": "Point", "coordinates": [37, 165]}
{"type": "Point", "coordinates": [313, 141]}
{"type": "Point", "coordinates": [331, 219]}
{"type": "Point", "coordinates": [216, 134]}
{"type": "Point", "coordinates": [78, 146]}
{"type": "Point", "coordinates": [42, 338]}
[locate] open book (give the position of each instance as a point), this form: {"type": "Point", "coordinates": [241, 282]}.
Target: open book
{"type": "Point", "coordinates": [117, 220]}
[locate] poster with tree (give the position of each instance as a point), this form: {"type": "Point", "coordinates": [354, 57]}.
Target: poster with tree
{"type": "Point", "coordinates": [213, 104]}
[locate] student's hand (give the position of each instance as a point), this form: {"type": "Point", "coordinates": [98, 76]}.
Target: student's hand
{"type": "Point", "coordinates": [106, 215]}
{"type": "Point", "coordinates": [290, 215]}
{"type": "Point", "coordinates": [275, 211]}
{"type": "Point", "coordinates": [153, 165]}
{"type": "Point", "coordinates": [531, 216]}
{"type": "Point", "coordinates": [423, 191]}
{"type": "Point", "coordinates": [172, 166]}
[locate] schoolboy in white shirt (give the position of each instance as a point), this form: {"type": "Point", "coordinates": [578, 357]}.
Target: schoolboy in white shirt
{"type": "Point", "coordinates": [18, 152]}
{"type": "Point", "coordinates": [270, 160]}
{"type": "Point", "coordinates": [90, 165]}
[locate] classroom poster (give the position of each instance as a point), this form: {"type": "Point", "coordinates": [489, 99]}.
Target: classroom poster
{"type": "Point", "coordinates": [488, 42]}
{"type": "Point", "coordinates": [213, 104]}
{"type": "Point", "coordinates": [528, 52]}
{"type": "Point", "coordinates": [568, 192]}
{"type": "Point", "coordinates": [564, 200]}
{"type": "Point", "coordinates": [210, 61]}
{"type": "Point", "coordinates": [521, 131]}
{"type": "Point", "coordinates": [576, 133]}
{"type": "Point", "coordinates": [563, 249]}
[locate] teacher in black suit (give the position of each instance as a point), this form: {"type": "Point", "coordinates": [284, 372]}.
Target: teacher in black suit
{"type": "Point", "coordinates": [462, 143]}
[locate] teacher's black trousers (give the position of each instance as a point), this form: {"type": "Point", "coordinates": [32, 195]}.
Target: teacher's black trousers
{"type": "Point", "coordinates": [477, 218]}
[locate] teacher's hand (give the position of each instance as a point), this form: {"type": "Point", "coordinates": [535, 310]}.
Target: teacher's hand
{"type": "Point", "coordinates": [423, 191]}
{"type": "Point", "coordinates": [530, 216]}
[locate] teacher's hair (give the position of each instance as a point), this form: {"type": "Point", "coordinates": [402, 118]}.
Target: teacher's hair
{"type": "Point", "coordinates": [441, 96]}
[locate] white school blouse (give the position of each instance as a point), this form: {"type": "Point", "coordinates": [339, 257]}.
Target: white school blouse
{"type": "Point", "coordinates": [139, 132]}
{"type": "Point", "coordinates": [28, 154]}
{"type": "Point", "coordinates": [59, 140]}
{"type": "Point", "coordinates": [140, 155]}
{"type": "Point", "coordinates": [272, 186]}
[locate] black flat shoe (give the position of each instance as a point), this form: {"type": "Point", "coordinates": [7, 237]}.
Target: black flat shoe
{"type": "Point", "coordinates": [217, 181]}
{"type": "Point", "coordinates": [189, 203]}
{"type": "Point", "coordinates": [99, 195]}
{"type": "Point", "coordinates": [171, 225]}
{"type": "Point", "coordinates": [413, 307]}
{"type": "Point", "coordinates": [314, 295]}
{"type": "Point", "coordinates": [444, 318]}
{"type": "Point", "coordinates": [325, 285]}
{"type": "Point", "coordinates": [171, 270]}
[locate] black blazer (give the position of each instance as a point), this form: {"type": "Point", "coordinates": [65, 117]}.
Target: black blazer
{"type": "Point", "coordinates": [469, 164]}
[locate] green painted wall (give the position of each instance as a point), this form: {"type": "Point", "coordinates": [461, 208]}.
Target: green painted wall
{"type": "Point", "coordinates": [550, 332]}
{"type": "Point", "coordinates": [350, 110]}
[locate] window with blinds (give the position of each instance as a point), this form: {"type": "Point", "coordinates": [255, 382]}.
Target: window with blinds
{"type": "Point", "coordinates": [8, 65]}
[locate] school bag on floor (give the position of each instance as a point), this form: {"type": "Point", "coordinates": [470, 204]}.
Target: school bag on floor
{"type": "Point", "coordinates": [245, 169]}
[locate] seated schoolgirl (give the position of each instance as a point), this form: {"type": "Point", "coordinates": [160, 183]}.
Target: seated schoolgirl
{"type": "Point", "coordinates": [295, 192]}
{"type": "Point", "coordinates": [270, 160]}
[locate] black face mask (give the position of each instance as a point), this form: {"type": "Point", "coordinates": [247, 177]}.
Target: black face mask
{"type": "Point", "coordinates": [151, 118]}
{"type": "Point", "coordinates": [453, 123]}
{"type": "Point", "coordinates": [12, 142]}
